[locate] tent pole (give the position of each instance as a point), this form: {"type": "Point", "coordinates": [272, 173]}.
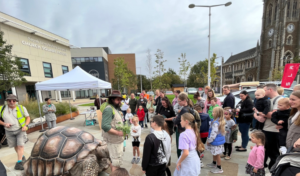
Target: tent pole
{"type": "Point", "coordinates": [70, 106]}
{"type": "Point", "coordinates": [100, 96]}
{"type": "Point", "coordinates": [38, 101]}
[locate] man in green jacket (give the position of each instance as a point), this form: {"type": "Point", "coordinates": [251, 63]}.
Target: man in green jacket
{"type": "Point", "coordinates": [111, 117]}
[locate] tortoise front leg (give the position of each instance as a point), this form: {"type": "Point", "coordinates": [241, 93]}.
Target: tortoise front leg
{"type": "Point", "coordinates": [87, 167]}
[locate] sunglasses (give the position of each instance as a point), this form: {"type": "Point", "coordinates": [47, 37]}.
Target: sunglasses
{"type": "Point", "coordinates": [11, 100]}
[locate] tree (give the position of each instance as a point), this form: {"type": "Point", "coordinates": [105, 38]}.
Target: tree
{"type": "Point", "coordinates": [184, 66]}
{"type": "Point", "coordinates": [11, 74]}
{"type": "Point", "coordinates": [121, 73]}
{"type": "Point", "coordinates": [159, 70]}
{"type": "Point", "coordinates": [149, 66]}
{"type": "Point", "coordinates": [277, 74]}
{"type": "Point", "coordinates": [173, 77]}
{"type": "Point", "coordinates": [145, 82]}
{"type": "Point", "coordinates": [171, 71]}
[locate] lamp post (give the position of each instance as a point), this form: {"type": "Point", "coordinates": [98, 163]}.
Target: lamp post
{"type": "Point", "coordinates": [221, 73]}
{"type": "Point", "coordinates": [140, 77]}
{"type": "Point", "coordinates": [192, 6]}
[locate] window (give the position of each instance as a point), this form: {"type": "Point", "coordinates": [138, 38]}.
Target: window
{"type": "Point", "coordinates": [275, 11]}
{"type": "Point", "coordinates": [270, 44]}
{"type": "Point", "coordinates": [270, 14]}
{"type": "Point", "coordinates": [65, 94]}
{"type": "Point", "coordinates": [287, 58]}
{"type": "Point", "coordinates": [294, 9]}
{"type": "Point", "coordinates": [250, 78]}
{"type": "Point", "coordinates": [25, 66]}
{"type": "Point", "coordinates": [87, 59]}
{"type": "Point", "coordinates": [65, 69]}
{"type": "Point", "coordinates": [288, 8]}
{"type": "Point", "coordinates": [47, 70]}
{"type": "Point", "coordinates": [289, 40]}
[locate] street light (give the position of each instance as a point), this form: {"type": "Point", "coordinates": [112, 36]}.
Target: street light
{"type": "Point", "coordinates": [192, 6]}
{"type": "Point", "coordinates": [221, 73]}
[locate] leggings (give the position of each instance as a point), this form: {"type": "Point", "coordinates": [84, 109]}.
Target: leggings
{"type": "Point", "coordinates": [227, 148]}
{"type": "Point", "coordinates": [51, 124]}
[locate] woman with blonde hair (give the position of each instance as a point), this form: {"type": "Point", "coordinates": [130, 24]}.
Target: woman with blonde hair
{"type": "Point", "coordinates": [210, 96]}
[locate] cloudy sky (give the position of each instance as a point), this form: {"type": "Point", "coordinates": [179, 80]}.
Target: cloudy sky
{"type": "Point", "coordinates": [133, 26]}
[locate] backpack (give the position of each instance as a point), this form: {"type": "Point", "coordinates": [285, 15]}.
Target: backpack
{"type": "Point", "coordinates": [196, 116]}
{"type": "Point", "coordinates": [103, 106]}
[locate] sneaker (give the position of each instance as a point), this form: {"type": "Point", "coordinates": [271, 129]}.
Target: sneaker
{"type": "Point", "coordinates": [133, 161]}
{"type": "Point", "coordinates": [216, 170]}
{"type": "Point", "coordinates": [137, 160]}
{"type": "Point", "coordinates": [19, 166]}
{"type": "Point", "coordinates": [201, 164]}
{"type": "Point", "coordinates": [223, 156]}
{"type": "Point", "coordinates": [227, 158]}
{"type": "Point", "coordinates": [23, 159]}
{"type": "Point", "coordinates": [211, 165]}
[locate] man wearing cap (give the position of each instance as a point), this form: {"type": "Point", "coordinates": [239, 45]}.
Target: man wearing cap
{"type": "Point", "coordinates": [114, 139]}
{"type": "Point", "coordinates": [15, 119]}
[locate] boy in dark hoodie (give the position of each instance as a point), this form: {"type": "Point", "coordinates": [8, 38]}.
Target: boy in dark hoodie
{"type": "Point", "coordinates": [280, 117]}
{"type": "Point", "coordinates": [157, 149]}
{"type": "Point", "coordinates": [205, 119]}
{"type": "Point", "coordinates": [262, 105]}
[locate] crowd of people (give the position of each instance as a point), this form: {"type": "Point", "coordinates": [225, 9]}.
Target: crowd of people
{"type": "Point", "coordinates": [206, 125]}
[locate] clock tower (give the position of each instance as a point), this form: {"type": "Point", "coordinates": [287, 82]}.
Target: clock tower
{"type": "Point", "coordinates": [280, 36]}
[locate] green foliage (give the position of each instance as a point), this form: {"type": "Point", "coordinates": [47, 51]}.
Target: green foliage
{"type": "Point", "coordinates": [10, 67]}
{"type": "Point", "coordinates": [122, 74]}
{"type": "Point", "coordinates": [277, 74]}
{"type": "Point", "coordinates": [171, 72]}
{"type": "Point", "coordinates": [146, 85]}
{"type": "Point", "coordinates": [123, 127]}
{"type": "Point", "coordinates": [161, 82]}
{"type": "Point", "coordinates": [199, 73]}
{"type": "Point", "coordinates": [31, 105]}
{"type": "Point", "coordinates": [184, 66]}
{"type": "Point", "coordinates": [158, 81]}
{"type": "Point", "coordinates": [173, 78]}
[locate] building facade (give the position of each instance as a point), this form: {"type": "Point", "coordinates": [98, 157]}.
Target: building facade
{"type": "Point", "coordinates": [44, 55]}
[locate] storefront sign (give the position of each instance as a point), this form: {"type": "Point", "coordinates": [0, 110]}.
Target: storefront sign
{"type": "Point", "coordinates": [289, 74]}
{"type": "Point", "coordinates": [94, 73]}
{"type": "Point", "coordinates": [44, 46]}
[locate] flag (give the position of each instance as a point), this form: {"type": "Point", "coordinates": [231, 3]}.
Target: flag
{"type": "Point", "coordinates": [289, 74]}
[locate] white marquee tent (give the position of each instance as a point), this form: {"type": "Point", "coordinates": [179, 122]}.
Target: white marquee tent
{"type": "Point", "coordinates": [76, 79]}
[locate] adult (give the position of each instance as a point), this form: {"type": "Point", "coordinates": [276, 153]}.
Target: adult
{"type": "Point", "coordinates": [204, 94]}
{"type": "Point", "coordinates": [175, 100]}
{"type": "Point", "coordinates": [150, 103]}
{"type": "Point", "coordinates": [167, 111]}
{"type": "Point", "coordinates": [125, 105]}
{"type": "Point", "coordinates": [293, 136]}
{"type": "Point", "coordinates": [97, 102]}
{"type": "Point", "coordinates": [183, 101]}
{"type": "Point", "coordinates": [145, 94]}
{"type": "Point", "coordinates": [296, 87]}
{"type": "Point", "coordinates": [49, 111]}
{"type": "Point", "coordinates": [114, 138]}
{"type": "Point", "coordinates": [269, 129]}
{"type": "Point", "coordinates": [207, 104]}
{"type": "Point", "coordinates": [199, 100]}
{"type": "Point", "coordinates": [245, 110]}
{"type": "Point", "coordinates": [158, 97]}
{"type": "Point", "coordinates": [143, 102]}
{"type": "Point", "coordinates": [133, 103]}
{"type": "Point", "coordinates": [15, 119]}
{"type": "Point", "coordinates": [229, 101]}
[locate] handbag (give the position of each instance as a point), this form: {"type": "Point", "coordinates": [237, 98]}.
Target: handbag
{"type": "Point", "coordinates": [248, 114]}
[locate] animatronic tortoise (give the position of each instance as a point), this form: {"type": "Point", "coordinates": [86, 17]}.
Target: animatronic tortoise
{"type": "Point", "coordinates": [67, 151]}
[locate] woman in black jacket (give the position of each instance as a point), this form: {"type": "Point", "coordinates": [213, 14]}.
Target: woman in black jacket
{"type": "Point", "coordinates": [167, 111]}
{"type": "Point", "coordinates": [245, 110]}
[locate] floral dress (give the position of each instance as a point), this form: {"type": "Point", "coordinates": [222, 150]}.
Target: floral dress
{"type": "Point", "coordinates": [215, 150]}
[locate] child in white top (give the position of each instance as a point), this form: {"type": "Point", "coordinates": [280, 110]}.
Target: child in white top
{"type": "Point", "coordinates": [128, 116]}
{"type": "Point", "coordinates": [135, 132]}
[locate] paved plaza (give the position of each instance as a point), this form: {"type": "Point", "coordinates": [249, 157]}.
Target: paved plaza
{"type": "Point", "coordinates": [233, 167]}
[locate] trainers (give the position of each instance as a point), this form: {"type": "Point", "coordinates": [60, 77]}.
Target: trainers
{"type": "Point", "coordinates": [212, 165]}
{"type": "Point", "coordinates": [227, 158]}
{"type": "Point", "coordinates": [23, 159]}
{"type": "Point", "coordinates": [216, 170]}
{"type": "Point", "coordinates": [223, 156]}
{"type": "Point", "coordinates": [137, 160]}
{"type": "Point", "coordinates": [19, 166]}
{"type": "Point", "coordinates": [133, 161]}
{"type": "Point", "coordinates": [201, 164]}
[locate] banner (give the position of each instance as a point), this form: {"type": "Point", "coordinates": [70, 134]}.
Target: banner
{"type": "Point", "coordinates": [289, 74]}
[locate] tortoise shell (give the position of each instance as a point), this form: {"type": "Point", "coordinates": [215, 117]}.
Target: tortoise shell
{"type": "Point", "coordinates": [57, 151]}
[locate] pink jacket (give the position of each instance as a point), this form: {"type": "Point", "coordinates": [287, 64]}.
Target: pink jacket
{"type": "Point", "coordinates": [256, 157]}
{"type": "Point", "coordinates": [206, 102]}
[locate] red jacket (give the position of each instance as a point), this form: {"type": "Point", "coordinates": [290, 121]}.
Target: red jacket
{"type": "Point", "coordinates": [140, 114]}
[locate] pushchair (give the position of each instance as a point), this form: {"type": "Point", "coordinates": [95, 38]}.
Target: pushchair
{"type": "Point", "coordinates": [287, 164]}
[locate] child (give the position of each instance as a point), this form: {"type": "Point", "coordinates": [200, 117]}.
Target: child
{"type": "Point", "coordinates": [231, 135]}
{"type": "Point", "coordinates": [120, 172]}
{"type": "Point", "coordinates": [204, 128]}
{"type": "Point", "coordinates": [216, 139]}
{"type": "Point", "coordinates": [151, 115]}
{"type": "Point", "coordinates": [157, 149]}
{"type": "Point", "coordinates": [128, 116]}
{"type": "Point", "coordinates": [141, 114]}
{"type": "Point", "coordinates": [135, 132]}
{"type": "Point", "coordinates": [255, 163]}
{"type": "Point", "coordinates": [262, 105]}
{"type": "Point", "coordinates": [189, 142]}
{"type": "Point", "coordinates": [280, 117]}
{"type": "Point", "coordinates": [214, 104]}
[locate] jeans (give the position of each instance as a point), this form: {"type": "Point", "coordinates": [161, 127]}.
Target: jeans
{"type": "Point", "coordinates": [141, 123]}
{"type": "Point", "coordinates": [244, 129]}
{"type": "Point", "coordinates": [51, 124]}
{"type": "Point", "coordinates": [227, 148]}
{"type": "Point", "coordinates": [124, 113]}
{"type": "Point", "coordinates": [254, 123]}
